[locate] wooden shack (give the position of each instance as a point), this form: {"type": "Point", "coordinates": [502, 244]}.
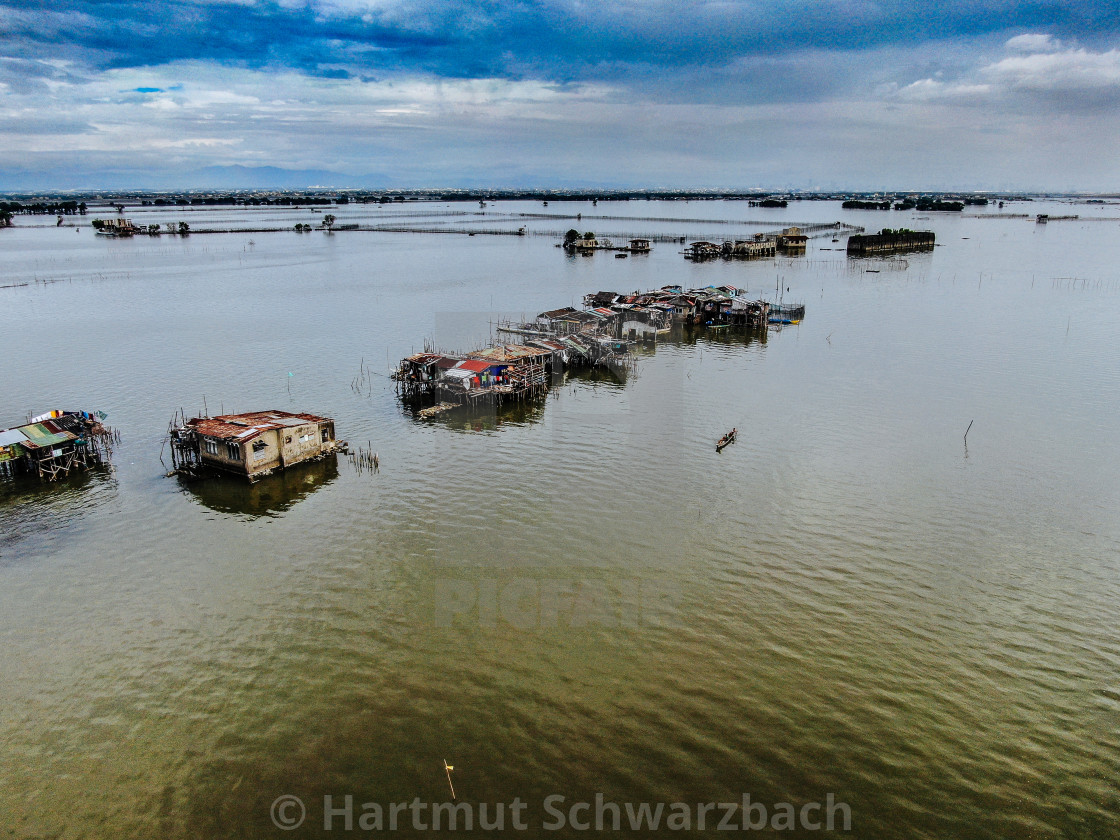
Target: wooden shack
{"type": "Point", "coordinates": [55, 444]}
{"type": "Point", "coordinates": [254, 444]}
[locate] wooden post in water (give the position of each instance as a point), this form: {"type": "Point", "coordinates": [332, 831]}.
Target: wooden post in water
{"type": "Point", "coordinates": [447, 768]}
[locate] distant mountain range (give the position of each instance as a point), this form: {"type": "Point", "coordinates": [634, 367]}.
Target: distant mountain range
{"type": "Point", "coordinates": [209, 177]}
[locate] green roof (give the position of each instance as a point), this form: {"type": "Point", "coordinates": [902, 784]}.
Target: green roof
{"type": "Point", "coordinates": [39, 435]}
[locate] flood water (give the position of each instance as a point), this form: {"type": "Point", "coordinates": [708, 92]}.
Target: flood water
{"type": "Point", "coordinates": [580, 596]}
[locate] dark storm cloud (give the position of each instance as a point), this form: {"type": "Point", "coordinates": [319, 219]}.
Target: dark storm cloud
{"type": "Point", "coordinates": [559, 40]}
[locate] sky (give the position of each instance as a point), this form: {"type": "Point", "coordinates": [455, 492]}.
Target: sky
{"type": "Point", "coordinates": [666, 94]}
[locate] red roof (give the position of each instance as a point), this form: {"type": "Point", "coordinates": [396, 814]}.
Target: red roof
{"type": "Point", "coordinates": [477, 365]}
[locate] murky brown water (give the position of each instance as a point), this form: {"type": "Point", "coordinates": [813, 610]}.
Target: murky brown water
{"type": "Point", "coordinates": [580, 597]}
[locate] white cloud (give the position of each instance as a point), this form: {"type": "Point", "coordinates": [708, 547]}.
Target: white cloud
{"type": "Point", "coordinates": [1071, 70]}
{"type": "Point", "coordinates": [933, 90]}
{"type": "Point", "coordinates": [1033, 43]}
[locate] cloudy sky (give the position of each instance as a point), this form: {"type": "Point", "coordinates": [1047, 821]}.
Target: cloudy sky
{"type": "Point", "coordinates": [831, 94]}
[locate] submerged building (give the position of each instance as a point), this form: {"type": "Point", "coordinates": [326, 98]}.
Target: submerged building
{"type": "Point", "coordinates": [254, 444]}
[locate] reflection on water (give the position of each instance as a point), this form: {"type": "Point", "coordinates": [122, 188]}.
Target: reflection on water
{"type": "Point", "coordinates": [29, 506]}
{"type": "Point", "coordinates": [270, 496]}
{"type": "Point", "coordinates": [482, 417]}
{"type": "Point", "coordinates": [485, 417]}
{"type": "Point", "coordinates": [691, 334]}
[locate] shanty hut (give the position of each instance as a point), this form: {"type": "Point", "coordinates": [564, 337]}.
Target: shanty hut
{"type": "Point", "coordinates": [703, 250]}
{"type": "Point", "coordinates": [256, 443]}
{"type": "Point", "coordinates": [54, 444]}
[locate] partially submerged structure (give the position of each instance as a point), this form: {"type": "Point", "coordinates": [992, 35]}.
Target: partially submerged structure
{"type": "Point", "coordinates": [251, 445]}
{"type": "Point", "coordinates": [758, 247]}
{"type": "Point", "coordinates": [649, 314]}
{"type": "Point", "coordinates": [792, 240]}
{"type": "Point", "coordinates": [115, 227]}
{"type": "Point", "coordinates": [889, 241]}
{"type": "Point", "coordinates": [506, 372]}
{"type": "Point", "coordinates": [55, 444]}
{"type": "Point", "coordinates": [600, 335]}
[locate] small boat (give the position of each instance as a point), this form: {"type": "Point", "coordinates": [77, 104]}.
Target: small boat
{"type": "Point", "coordinates": [621, 256]}
{"type": "Point", "coordinates": [727, 439]}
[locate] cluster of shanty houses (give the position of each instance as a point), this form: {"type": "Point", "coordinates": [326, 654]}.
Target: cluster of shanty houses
{"type": "Point", "coordinates": [252, 445]}
{"type": "Point", "coordinates": [599, 334]}
{"type": "Point", "coordinates": [506, 371]}
{"type": "Point", "coordinates": [585, 243]}
{"type": "Point", "coordinates": [791, 240]}
{"type": "Point", "coordinates": [714, 305]}
{"type": "Point", "coordinates": [54, 444]}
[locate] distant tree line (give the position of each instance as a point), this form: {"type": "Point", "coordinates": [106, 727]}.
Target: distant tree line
{"type": "Point", "coordinates": [923, 204]}
{"type": "Point", "coordinates": [52, 208]}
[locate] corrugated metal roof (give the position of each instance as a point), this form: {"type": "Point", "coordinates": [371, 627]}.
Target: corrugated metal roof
{"type": "Point", "coordinates": [475, 365]}
{"type": "Point", "coordinates": [557, 313]}
{"type": "Point", "coordinates": [41, 435]}
{"type": "Point", "coordinates": [7, 438]}
{"type": "Point", "coordinates": [549, 343]}
{"type": "Point", "coordinates": [509, 353]}
{"type": "Point", "coordinates": [251, 424]}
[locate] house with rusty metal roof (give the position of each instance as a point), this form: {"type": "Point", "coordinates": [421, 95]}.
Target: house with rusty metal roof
{"type": "Point", "coordinates": [54, 444]}
{"type": "Point", "coordinates": [254, 444]}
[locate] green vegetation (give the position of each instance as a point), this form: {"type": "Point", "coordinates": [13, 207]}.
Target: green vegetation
{"type": "Point", "coordinates": [44, 208]}
{"type": "Point", "coordinates": [328, 221]}
{"type": "Point", "coordinates": [854, 204]}
{"type": "Point", "coordinates": [571, 236]}
{"type": "Point", "coordinates": [926, 204]}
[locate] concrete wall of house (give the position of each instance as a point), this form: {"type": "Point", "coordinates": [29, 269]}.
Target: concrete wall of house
{"type": "Point", "coordinates": [263, 457]}
{"type": "Point", "coordinates": [281, 448]}
{"type": "Point", "coordinates": [298, 443]}
{"type": "Point", "coordinates": [638, 328]}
